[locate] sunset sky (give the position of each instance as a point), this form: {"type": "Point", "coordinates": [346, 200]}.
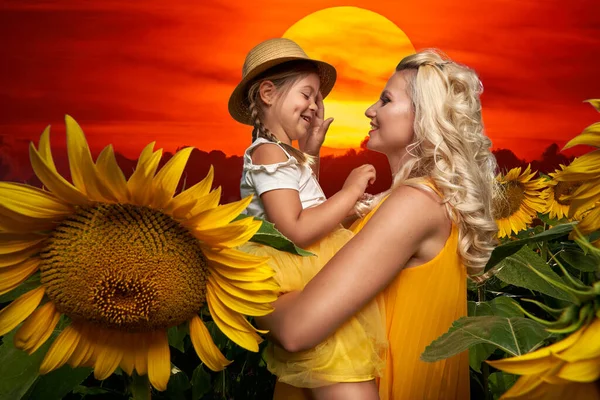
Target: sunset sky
{"type": "Point", "coordinates": [133, 72]}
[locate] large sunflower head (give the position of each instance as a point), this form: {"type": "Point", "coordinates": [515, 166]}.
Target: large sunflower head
{"type": "Point", "coordinates": [124, 260]}
{"type": "Point", "coordinates": [521, 202]}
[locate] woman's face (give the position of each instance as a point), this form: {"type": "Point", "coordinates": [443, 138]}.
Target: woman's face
{"type": "Point", "coordinates": [392, 117]}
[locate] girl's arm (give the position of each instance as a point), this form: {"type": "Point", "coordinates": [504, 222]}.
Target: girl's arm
{"type": "Point", "coordinates": [407, 222]}
{"type": "Point", "coordinates": [304, 227]}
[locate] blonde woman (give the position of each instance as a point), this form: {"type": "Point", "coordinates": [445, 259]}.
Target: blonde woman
{"type": "Point", "coordinates": [415, 247]}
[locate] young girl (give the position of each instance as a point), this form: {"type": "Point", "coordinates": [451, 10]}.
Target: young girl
{"type": "Point", "coordinates": [281, 96]}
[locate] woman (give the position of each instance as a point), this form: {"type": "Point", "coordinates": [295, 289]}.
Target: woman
{"type": "Point", "coordinates": [414, 249]}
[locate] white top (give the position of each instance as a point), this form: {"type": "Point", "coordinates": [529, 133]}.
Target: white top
{"type": "Point", "coordinates": [290, 174]}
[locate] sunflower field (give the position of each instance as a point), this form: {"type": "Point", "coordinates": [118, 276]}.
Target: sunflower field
{"type": "Point", "coordinates": [135, 288]}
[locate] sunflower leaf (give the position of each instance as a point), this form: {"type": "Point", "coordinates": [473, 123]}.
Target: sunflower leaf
{"type": "Point", "coordinates": [509, 248]}
{"type": "Point", "coordinates": [515, 336]}
{"type": "Point", "coordinates": [500, 306]}
{"type": "Point", "coordinates": [517, 270]}
{"type": "Point", "coordinates": [268, 235]}
{"type": "Point", "coordinates": [580, 261]}
{"type": "Point", "coordinates": [200, 383]}
{"type": "Point", "coordinates": [176, 336]}
{"type": "Point", "coordinates": [57, 384]}
{"type": "Point", "coordinates": [18, 370]}
{"type": "Point", "coordinates": [500, 382]}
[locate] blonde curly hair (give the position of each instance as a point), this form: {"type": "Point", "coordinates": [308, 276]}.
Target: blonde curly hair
{"type": "Point", "coordinates": [450, 148]}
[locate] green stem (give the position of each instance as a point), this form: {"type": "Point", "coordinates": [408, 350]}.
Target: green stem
{"type": "Point", "coordinates": [481, 293]}
{"type": "Point", "coordinates": [485, 369]}
{"type": "Point", "coordinates": [140, 387]}
{"type": "Point", "coordinates": [544, 252]}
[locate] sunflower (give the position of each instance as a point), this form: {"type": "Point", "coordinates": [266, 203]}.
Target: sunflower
{"type": "Point", "coordinates": [586, 171]}
{"type": "Point", "coordinates": [124, 260]}
{"type": "Point", "coordinates": [559, 195]}
{"type": "Point", "coordinates": [521, 202]}
{"type": "Point", "coordinates": [570, 366]}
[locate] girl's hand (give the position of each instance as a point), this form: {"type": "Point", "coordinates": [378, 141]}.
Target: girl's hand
{"type": "Point", "coordinates": [312, 142]}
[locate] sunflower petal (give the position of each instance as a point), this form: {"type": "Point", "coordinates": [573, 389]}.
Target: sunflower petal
{"type": "Point", "coordinates": [61, 350]}
{"type": "Point", "coordinates": [201, 204]}
{"type": "Point", "coordinates": [83, 170]}
{"type": "Point", "coordinates": [200, 189]}
{"type": "Point", "coordinates": [250, 275]}
{"type": "Point", "coordinates": [46, 171]}
{"type": "Point", "coordinates": [523, 387]}
{"type": "Point", "coordinates": [14, 242]}
{"type": "Point", "coordinates": [590, 222]}
{"type": "Point", "coordinates": [235, 259]}
{"type": "Point", "coordinates": [159, 360]}
{"type": "Point", "coordinates": [37, 328]}
{"type": "Point", "coordinates": [255, 294]}
{"type": "Point", "coordinates": [141, 354]}
{"type": "Point", "coordinates": [12, 277]}
{"type": "Point", "coordinates": [32, 202]}
{"type": "Point", "coordinates": [581, 371]}
{"type": "Point", "coordinates": [166, 181]}
{"type": "Point", "coordinates": [242, 306]}
{"type": "Point", "coordinates": [111, 174]}
{"type": "Point", "coordinates": [205, 347]}
{"type": "Point", "coordinates": [587, 346]}
{"type": "Point", "coordinates": [590, 137]}
{"type": "Point", "coordinates": [233, 325]}
{"type": "Point", "coordinates": [219, 216]}
{"type": "Point", "coordinates": [84, 350]}
{"type": "Point", "coordinates": [140, 182]}
{"type": "Point", "coordinates": [9, 260]}
{"type": "Point", "coordinates": [231, 235]}
{"type": "Point", "coordinates": [18, 310]}
{"type": "Point", "coordinates": [108, 355]}
{"type": "Point", "coordinates": [128, 360]}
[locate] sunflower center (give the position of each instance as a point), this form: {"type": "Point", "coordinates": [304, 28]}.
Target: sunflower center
{"type": "Point", "coordinates": [508, 205]}
{"type": "Point", "coordinates": [126, 267]}
{"type": "Point", "coordinates": [565, 189]}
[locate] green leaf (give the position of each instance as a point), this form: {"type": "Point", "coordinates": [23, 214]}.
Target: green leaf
{"type": "Point", "coordinates": [178, 384]}
{"type": "Point", "coordinates": [515, 336]}
{"type": "Point", "coordinates": [32, 283]}
{"type": "Point", "coordinates": [515, 270]}
{"type": "Point", "coordinates": [90, 391]}
{"type": "Point", "coordinates": [580, 261]}
{"type": "Point", "coordinates": [268, 235]}
{"type": "Point", "coordinates": [512, 247]}
{"type": "Point", "coordinates": [57, 384]}
{"type": "Point", "coordinates": [18, 370]}
{"type": "Point", "coordinates": [500, 382]}
{"type": "Point", "coordinates": [176, 335]}
{"type": "Point", "coordinates": [500, 306]}
{"type": "Point", "coordinates": [200, 383]}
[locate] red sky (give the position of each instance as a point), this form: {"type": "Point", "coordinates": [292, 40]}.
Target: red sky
{"type": "Point", "coordinates": [134, 72]}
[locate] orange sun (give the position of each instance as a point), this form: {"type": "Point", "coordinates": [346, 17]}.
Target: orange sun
{"type": "Point", "coordinates": [364, 47]}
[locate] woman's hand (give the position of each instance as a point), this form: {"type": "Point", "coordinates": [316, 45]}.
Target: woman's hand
{"type": "Point", "coordinates": [312, 142]}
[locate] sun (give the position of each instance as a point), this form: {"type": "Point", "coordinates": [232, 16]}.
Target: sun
{"type": "Point", "coordinates": [364, 47]}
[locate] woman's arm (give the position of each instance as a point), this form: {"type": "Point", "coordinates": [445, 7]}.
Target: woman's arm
{"type": "Point", "coordinates": [359, 271]}
{"type": "Point", "coordinates": [306, 226]}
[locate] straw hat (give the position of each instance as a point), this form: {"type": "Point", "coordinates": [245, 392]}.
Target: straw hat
{"type": "Point", "coordinates": [266, 55]}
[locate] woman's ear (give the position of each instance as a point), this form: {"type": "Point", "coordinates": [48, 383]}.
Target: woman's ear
{"type": "Point", "coordinates": [268, 92]}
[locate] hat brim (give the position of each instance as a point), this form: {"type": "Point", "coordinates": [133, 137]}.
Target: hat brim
{"type": "Point", "coordinates": [238, 103]}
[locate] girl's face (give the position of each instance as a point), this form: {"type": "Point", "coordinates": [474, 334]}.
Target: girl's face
{"type": "Point", "coordinates": [294, 108]}
{"type": "Point", "coordinates": [392, 117]}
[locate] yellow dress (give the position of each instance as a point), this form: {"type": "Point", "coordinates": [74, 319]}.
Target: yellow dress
{"type": "Point", "coordinates": [420, 305]}
{"type": "Point", "coordinates": [354, 353]}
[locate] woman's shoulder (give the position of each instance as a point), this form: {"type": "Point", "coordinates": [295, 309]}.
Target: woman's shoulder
{"type": "Point", "coordinates": [415, 202]}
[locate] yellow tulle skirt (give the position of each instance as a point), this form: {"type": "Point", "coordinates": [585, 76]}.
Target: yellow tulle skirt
{"type": "Point", "coordinates": [354, 353]}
